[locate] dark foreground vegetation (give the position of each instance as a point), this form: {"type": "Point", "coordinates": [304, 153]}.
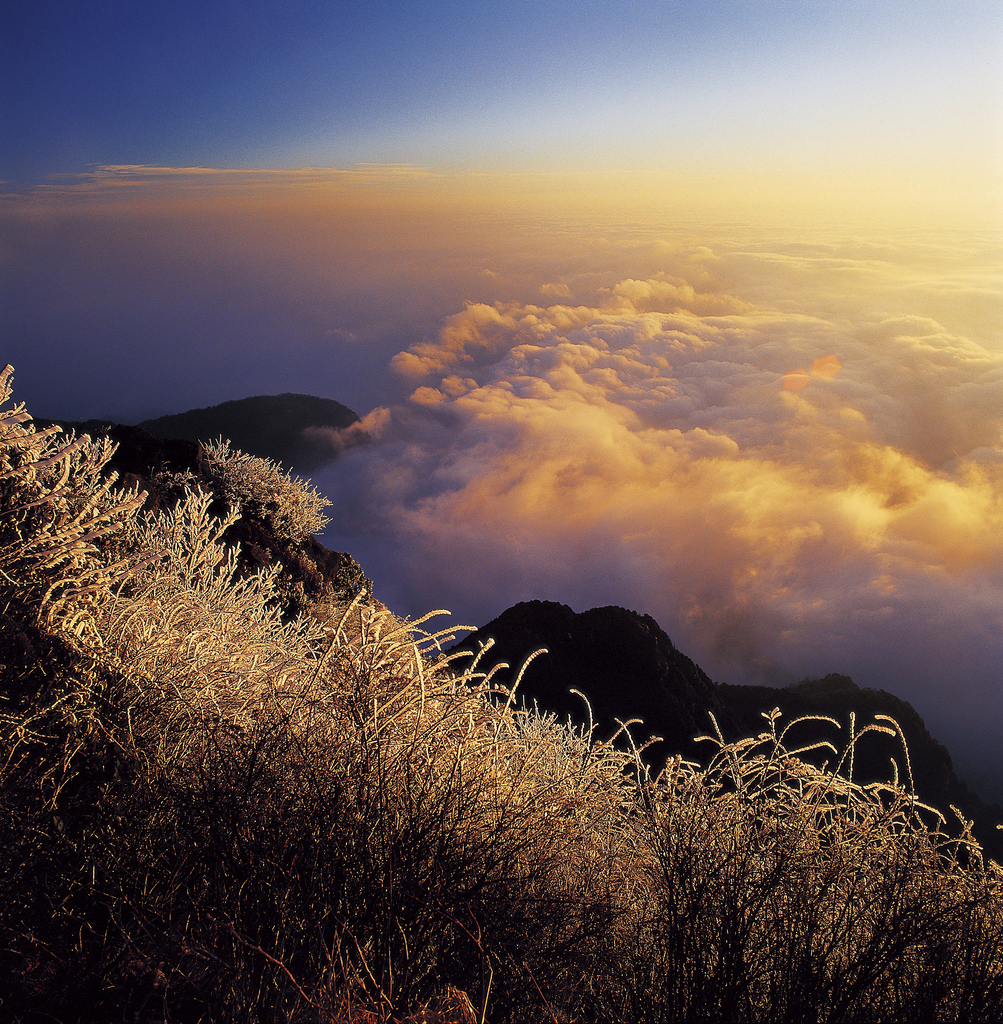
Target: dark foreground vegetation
{"type": "Point", "coordinates": [214, 809]}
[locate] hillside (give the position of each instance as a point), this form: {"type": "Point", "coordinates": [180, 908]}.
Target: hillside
{"type": "Point", "coordinates": [622, 661]}
{"type": "Point", "coordinates": [226, 796]}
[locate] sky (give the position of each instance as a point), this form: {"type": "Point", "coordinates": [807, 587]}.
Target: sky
{"type": "Point", "coordinates": [692, 308]}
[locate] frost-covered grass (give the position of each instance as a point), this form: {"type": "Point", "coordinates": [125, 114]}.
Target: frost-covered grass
{"type": "Point", "coordinates": [292, 507]}
{"type": "Point", "coordinates": [212, 813]}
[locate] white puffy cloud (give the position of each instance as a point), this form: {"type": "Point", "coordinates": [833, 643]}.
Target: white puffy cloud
{"type": "Point", "coordinates": [369, 428]}
{"type": "Point", "coordinates": [555, 290]}
{"type": "Point", "coordinates": [790, 486]}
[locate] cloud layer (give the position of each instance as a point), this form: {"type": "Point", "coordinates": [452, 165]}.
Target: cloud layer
{"type": "Point", "coordinates": [783, 440]}
{"type": "Point", "coordinates": [763, 449]}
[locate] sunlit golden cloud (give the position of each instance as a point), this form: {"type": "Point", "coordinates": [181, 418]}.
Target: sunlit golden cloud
{"type": "Point", "coordinates": [823, 368]}
{"type": "Point", "coordinates": [753, 444]}
{"type": "Point", "coordinates": [592, 414]}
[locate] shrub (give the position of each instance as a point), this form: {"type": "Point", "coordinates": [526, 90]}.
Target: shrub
{"type": "Point", "coordinates": [291, 506]}
{"type": "Point", "coordinates": [785, 893]}
{"type": "Point", "coordinates": [55, 511]}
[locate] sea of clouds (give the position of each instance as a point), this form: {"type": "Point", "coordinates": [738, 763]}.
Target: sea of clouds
{"type": "Point", "coordinates": [782, 439]}
{"type": "Point", "coordinates": [791, 455]}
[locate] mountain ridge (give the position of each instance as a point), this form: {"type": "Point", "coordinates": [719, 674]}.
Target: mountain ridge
{"type": "Point", "coordinates": [289, 428]}
{"type": "Point", "coordinates": [627, 667]}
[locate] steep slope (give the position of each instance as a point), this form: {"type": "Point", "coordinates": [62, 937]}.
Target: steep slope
{"type": "Point", "coordinates": [212, 811]}
{"type": "Point", "coordinates": [628, 667]}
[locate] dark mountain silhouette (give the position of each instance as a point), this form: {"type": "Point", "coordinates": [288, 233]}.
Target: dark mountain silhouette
{"type": "Point", "coordinates": [280, 427]}
{"type": "Point", "coordinates": [628, 667]}
{"type": "Point", "coordinates": [624, 663]}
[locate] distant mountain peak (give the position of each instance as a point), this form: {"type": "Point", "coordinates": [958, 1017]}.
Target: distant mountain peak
{"type": "Point", "coordinates": [622, 660]}
{"type": "Point", "coordinates": [303, 432]}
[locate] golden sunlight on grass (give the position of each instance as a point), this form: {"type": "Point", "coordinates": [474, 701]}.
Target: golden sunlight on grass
{"type": "Point", "coordinates": [214, 811]}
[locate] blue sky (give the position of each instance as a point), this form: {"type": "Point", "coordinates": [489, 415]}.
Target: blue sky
{"type": "Point", "coordinates": [499, 86]}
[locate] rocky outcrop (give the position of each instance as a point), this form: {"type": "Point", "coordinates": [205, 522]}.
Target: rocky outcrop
{"type": "Point", "coordinates": [629, 668]}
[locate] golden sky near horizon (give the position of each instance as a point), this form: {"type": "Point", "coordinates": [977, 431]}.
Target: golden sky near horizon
{"type": "Point", "coordinates": [691, 308]}
{"type": "Point", "coordinates": [782, 197]}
